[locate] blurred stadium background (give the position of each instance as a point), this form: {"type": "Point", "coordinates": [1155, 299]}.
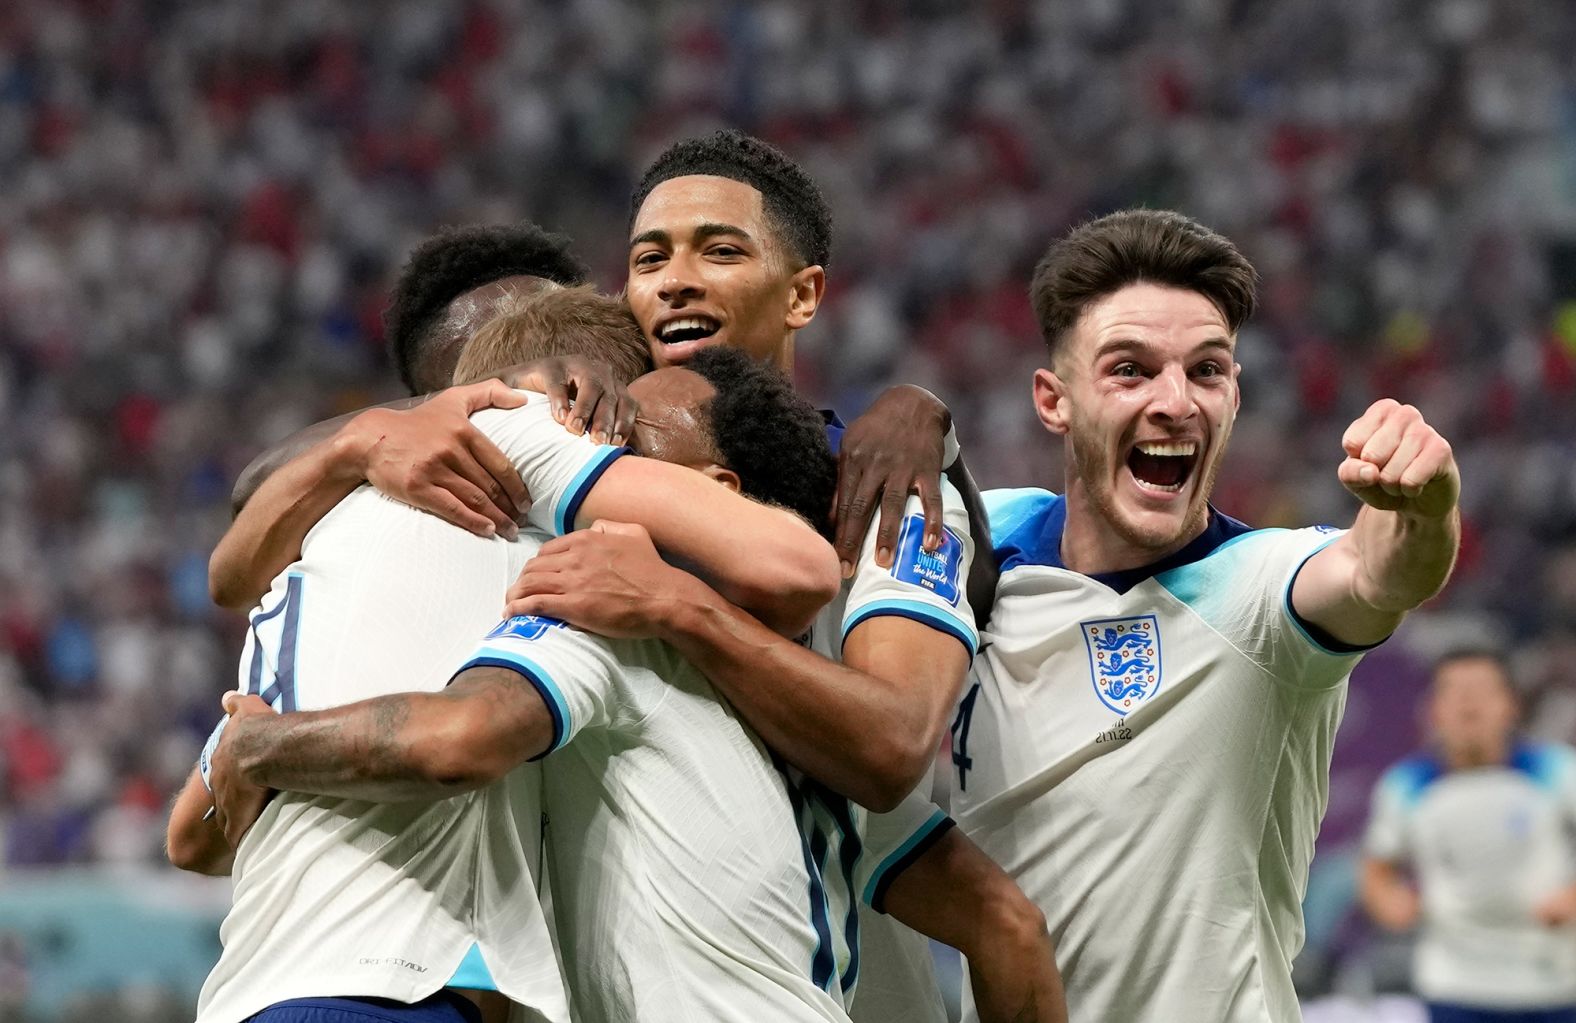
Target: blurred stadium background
{"type": "Point", "coordinates": [201, 206]}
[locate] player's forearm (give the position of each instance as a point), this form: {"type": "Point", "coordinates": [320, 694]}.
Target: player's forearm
{"type": "Point", "coordinates": [983, 571]}
{"type": "Point", "coordinates": [192, 839]}
{"type": "Point", "coordinates": [760, 558]}
{"type": "Point", "coordinates": [1403, 559]}
{"type": "Point", "coordinates": [1387, 895]}
{"type": "Point", "coordinates": [267, 534]}
{"type": "Point", "coordinates": [954, 894]}
{"type": "Point", "coordinates": [852, 732]}
{"type": "Point", "coordinates": [409, 746]}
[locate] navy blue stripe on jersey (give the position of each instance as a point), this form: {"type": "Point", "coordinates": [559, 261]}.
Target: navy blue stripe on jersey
{"type": "Point", "coordinates": [254, 676]}
{"type": "Point", "coordinates": [541, 681]}
{"type": "Point", "coordinates": [575, 494]}
{"type": "Point", "coordinates": [283, 688]}
{"type": "Point", "coordinates": [440, 1007]}
{"type": "Point", "coordinates": [1030, 524]}
{"type": "Point", "coordinates": [921, 612]}
{"type": "Point", "coordinates": [904, 857]}
{"type": "Point", "coordinates": [849, 850]}
{"type": "Point", "coordinates": [823, 960]}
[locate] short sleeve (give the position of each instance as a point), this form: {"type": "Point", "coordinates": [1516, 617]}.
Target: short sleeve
{"type": "Point", "coordinates": [927, 587]}
{"type": "Point", "coordinates": [1243, 592]}
{"type": "Point", "coordinates": [574, 672]}
{"type": "Point", "coordinates": [894, 842]}
{"type": "Point", "coordinates": [558, 468]}
{"type": "Point", "coordinates": [1385, 837]}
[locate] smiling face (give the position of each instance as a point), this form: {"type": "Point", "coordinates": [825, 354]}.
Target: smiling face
{"type": "Point", "coordinates": [706, 267]}
{"type": "Point", "coordinates": [1144, 389]}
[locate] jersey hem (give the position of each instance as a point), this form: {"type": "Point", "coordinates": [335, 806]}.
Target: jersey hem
{"type": "Point", "coordinates": [541, 681]}
{"type": "Point", "coordinates": [914, 611]}
{"type": "Point", "coordinates": [575, 494]}
{"type": "Point", "coordinates": [904, 857]}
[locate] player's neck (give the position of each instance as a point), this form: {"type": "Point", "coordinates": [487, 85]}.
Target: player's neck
{"type": "Point", "coordinates": [1469, 756]}
{"type": "Point", "coordinates": [1091, 545]}
{"type": "Point", "coordinates": [783, 360]}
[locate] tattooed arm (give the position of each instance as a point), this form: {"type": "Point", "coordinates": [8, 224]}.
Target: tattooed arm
{"type": "Point", "coordinates": [408, 746]}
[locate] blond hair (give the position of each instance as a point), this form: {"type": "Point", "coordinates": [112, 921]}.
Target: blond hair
{"type": "Point", "coordinates": [551, 321]}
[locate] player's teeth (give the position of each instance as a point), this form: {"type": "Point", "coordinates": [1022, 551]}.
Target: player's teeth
{"type": "Point", "coordinates": [689, 323]}
{"type": "Point", "coordinates": [1171, 450]}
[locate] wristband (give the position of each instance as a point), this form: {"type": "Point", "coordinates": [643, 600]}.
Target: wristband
{"type": "Point", "coordinates": [205, 758]}
{"type": "Point", "coordinates": [949, 448]}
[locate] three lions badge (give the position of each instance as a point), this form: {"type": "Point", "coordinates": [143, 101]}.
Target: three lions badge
{"type": "Point", "coordinates": [1124, 660]}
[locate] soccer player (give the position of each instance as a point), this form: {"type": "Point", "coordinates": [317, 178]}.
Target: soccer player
{"type": "Point", "coordinates": [1474, 843]}
{"type": "Point", "coordinates": [424, 449]}
{"type": "Point", "coordinates": [1145, 744]}
{"type": "Point", "coordinates": [679, 866]}
{"type": "Point", "coordinates": [347, 900]}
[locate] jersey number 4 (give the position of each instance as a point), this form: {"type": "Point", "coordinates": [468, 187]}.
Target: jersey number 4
{"type": "Point", "coordinates": [960, 737]}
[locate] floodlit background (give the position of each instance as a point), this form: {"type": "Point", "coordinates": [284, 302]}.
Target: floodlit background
{"type": "Point", "coordinates": [202, 204]}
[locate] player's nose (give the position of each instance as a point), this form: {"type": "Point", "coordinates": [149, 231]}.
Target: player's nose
{"type": "Point", "coordinates": [1169, 396]}
{"type": "Point", "coordinates": [680, 286]}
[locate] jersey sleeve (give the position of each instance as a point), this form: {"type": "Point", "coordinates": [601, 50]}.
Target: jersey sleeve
{"type": "Point", "coordinates": [1385, 837]}
{"type": "Point", "coordinates": [894, 841]}
{"type": "Point", "coordinates": [558, 468]}
{"type": "Point", "coordinates": [573, 672]}
{"type": "Point", "coordinates": [924, 586]}
{"type": "Point", "coordinates": [1243, 592]}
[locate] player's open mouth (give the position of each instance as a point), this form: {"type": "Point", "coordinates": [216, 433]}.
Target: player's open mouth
{"type": "Point", "coordinates": [687, 328]}
{"type": "Point", "coordinates": [1162, 465]}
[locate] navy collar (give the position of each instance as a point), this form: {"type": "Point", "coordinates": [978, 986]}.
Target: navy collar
{"type": "Point", "coordinates": [1220, 530]}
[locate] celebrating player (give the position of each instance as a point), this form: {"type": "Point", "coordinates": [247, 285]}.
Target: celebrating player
{"type": "Point", "coordinates": [358, 901]}
{"type": "Point", "coordinates": [1146, 742]}
{"type": "Point", "coordinates": [1480, 830]}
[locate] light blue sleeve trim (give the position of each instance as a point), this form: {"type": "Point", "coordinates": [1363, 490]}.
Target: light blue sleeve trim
{"type": "Point", "coordinates": [473, 972]}
{"type": "Point", "coordinates": [541, 679]}
{"type": "Point", "coordinates": [574, 495]}
{"type": "Point", "coordinates": [1291, 613]}
{"type": "Point", "coordinates": [918, 611]}
{"type": "Point", "coordinates": [936, 820]}
{"type": "Point", "coordinates": [1008, 508]}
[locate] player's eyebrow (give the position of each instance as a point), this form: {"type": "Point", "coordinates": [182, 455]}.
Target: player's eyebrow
{"type": "Point", "coordinates": [1133, 344]}
{"type": "Point", "coordinates": [702, 233]}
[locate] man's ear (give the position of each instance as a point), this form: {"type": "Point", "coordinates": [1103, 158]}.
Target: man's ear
{"type": "Point", "coordinates": [727, 477]}
{"type": "Point", "coordinates": [1236, 379]}
{"type": "Point", "coordinates": [1050, 401]}
{"type": "Point", "coordinates": [805, 290]}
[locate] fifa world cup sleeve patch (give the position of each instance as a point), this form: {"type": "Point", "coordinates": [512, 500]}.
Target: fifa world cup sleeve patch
{"type": "Point", "coordinates": [526, 627]}
{"type": "Point", "coordinates": [939, 571]}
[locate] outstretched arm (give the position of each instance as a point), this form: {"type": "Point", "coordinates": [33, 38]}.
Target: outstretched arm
{"type": "Point", "coordinates": [1403, 545]}
{"type": "Point", "coordinates": [954, 894]}
{"type": "Point", "coordinates": [1388, 895]}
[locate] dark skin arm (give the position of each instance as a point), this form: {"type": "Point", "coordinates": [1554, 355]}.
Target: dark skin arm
{"type": "Point", "coordinates": [422, 451]}
{"type": "Point", "coordinates": [955, 894]}
{"type": "Point", "coordinates": [895, 449]}
{"type": "Point", "coordinates": [398, 748]}
{"type": "Point", "coordinates": [868, 728]}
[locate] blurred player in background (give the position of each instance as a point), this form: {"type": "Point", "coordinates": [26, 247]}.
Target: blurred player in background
{"type": "Point", "coordinates": [1474, 843]}
{"type": "Point", "coordinates": [1146, 743]}
{"type": "Point", "coordinates": [345, 900]}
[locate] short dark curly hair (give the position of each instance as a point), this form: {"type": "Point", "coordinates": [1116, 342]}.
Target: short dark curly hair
{"type": "Point", "coordinates": [774, 439]}
{"type": "Point", "coordinates": [793, 203]}
{"type": "Point", "coordinates": [456, 260]}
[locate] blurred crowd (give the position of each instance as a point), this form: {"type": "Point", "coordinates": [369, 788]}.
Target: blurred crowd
{"type": "Point", "coordinates": [202, 205]}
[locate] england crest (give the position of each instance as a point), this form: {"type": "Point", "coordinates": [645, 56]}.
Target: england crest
{"type": "Point", "coordinates": [1124, 660]}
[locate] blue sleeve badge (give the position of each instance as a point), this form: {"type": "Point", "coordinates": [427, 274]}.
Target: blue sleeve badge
{"type": "Point", "coordinates": [938, 571]}
{"type": "Point", "coordinates": [526, 627]}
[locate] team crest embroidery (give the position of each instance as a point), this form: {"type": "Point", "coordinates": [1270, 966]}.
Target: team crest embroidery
{"type": "Point", "coordinates": [1124, 660]}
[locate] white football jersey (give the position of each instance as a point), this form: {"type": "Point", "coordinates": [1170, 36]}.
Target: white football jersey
{"type": "Point", "coordinates": [1147, 753]}
{"type": "Point", "coordinates": [892, 964]}
{"type": "Point", "coordinates": [349, 898]}
{"type": "Point", "coordinates": [1486, 845]}
{"type": "Point", "coordinates": [686, 886]}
